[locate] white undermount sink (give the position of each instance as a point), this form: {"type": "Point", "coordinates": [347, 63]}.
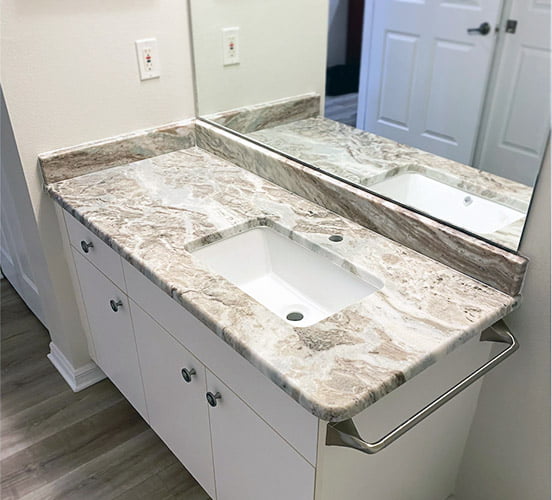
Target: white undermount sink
{"type": "Point", "coordinates": [445, 202]}
{"type": "Point", "coordinates": [292, 281]}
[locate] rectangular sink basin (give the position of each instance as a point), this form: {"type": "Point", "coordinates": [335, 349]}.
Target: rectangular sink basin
{"type": "Point", "coordinates": [292, 281]}
{"type": "Point", "coordinates": [448, 203]}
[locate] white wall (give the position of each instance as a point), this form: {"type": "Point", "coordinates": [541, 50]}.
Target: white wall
{"type": "Point", "coordinates": [507, 456]}
{"type": "Point", "coordinates": [69, 75]}
{"type": "Point", "coordinates": [282, 51]}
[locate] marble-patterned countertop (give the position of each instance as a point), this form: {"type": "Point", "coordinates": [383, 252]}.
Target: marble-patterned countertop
{"type": "Point", "coordinates": [152, 211]}
{"type": "Point", "coordinates": [366, 159]}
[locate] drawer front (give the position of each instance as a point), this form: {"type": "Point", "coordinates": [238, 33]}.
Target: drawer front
{"type": "Point", "coordinates": [111, 331]}
{"type": "Point", "coordinates": [251, 460]}
{"type": "Point", "coordinates": [101, 255]}
{"type": "Point", "coordinates": [177, 407]}
{"type": "Point", "coordinates": [284, 414]}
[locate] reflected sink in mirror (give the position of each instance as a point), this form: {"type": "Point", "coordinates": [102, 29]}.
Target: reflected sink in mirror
{"type": "Point", "coordinates": [358, 94]}
{"type": "Point", "coordinates": [459, 207]}
{"type": "Point", "coordinates": [296, 283]}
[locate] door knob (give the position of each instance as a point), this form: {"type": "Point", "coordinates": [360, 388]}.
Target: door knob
{"type": "Point", "coordinates": [212, 398]}
{"type": "Point", "coordinates": [86, 246]}
{"type": "Point", "coordinates": [483, 29]}
{"type": "Point", "coordinates": [187, 374]}
{"type": "Point", "coordinates": [115, 304]}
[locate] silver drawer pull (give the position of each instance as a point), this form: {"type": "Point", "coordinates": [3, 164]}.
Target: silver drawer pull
{"type": "Point", "coordinates": [212, 398]}
{"type": "Point", "coordinates": [346, 434]}
{"type": "Point", "coordinates": [116, 305]}
{"type": "Point", "coordinates": [86, 246]}
{"type": "Point", "coordinates": [187, 374]}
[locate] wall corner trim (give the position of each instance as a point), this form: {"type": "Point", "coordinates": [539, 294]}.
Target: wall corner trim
{"type": "Point", "coordinates": [77, 378]}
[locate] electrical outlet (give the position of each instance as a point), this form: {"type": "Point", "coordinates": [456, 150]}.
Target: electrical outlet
{"type": "Point", "coordinates": [148, 58]}
{"type": "Point", "coordinates": [231, 46]}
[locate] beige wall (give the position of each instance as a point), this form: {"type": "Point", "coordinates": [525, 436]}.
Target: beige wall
{"type": "Point", "coordinates": [69, 74]}
{"type": "Point", "coordinates": [282, 51]}
{"type": "Point", "coordinates": [507, 456]}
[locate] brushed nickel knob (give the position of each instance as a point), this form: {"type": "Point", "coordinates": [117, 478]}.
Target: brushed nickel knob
{"type": "Point", "coordinates": [86, 246]}
{"type": "Point", "coordinates": [187, 374]}
{"type": "Point", "coordinates": [115, 305]}
{"type": "Point", "coordinates": [212, 398]}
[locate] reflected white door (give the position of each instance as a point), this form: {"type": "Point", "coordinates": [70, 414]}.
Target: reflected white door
{"type": "Point", "coordinates": [515, 135]}
{"type": "Point", "coordinates": [423, 76]}
{"type": "Point", "coordinates": [14, 254]}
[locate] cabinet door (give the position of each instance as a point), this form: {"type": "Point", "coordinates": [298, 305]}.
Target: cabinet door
{"type": "Point", "coordinates": [111, 331]}
{"type": "Point", "coordinates": [177, 407]}
{"type": "Point", "coordinates": [251, 460]}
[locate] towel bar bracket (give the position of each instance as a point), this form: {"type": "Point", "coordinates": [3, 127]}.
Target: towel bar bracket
{"type": "Point", "coordinates": [346, 434]}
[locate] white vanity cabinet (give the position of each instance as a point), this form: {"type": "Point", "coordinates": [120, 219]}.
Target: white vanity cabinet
{"type": "Point", "coordinates": [175, 387]}
{"type": "Point", "coordinates": [253, 441]}
{"type": "Point", "coordinates": [110, 324]}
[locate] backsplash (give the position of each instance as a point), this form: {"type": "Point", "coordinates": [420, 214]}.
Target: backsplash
{"type": "Point", "coordinates": [489, 264]}
{"type": "Point", "coordinates": [82, 159]}
{"type": "Point", "coordinates": [252, 118]}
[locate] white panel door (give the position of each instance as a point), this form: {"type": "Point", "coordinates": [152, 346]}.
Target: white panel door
{"type": "Point", "coordinates": [14, 255]}
{"type": "Point", "coordinates": [177, 407]}
{"type": "Point", "coordinates": [18, 231]}
{"type": "Point", "coordinates": [252, 461]}
{"type": "Point", "coordinates": [423, 76]}
{"type": "Point", "coordinates": [517, 130]}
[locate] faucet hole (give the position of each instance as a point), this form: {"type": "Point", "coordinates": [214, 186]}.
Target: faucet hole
{"type": "Point", "coordinates": [294, 316]}
{"type": "Point", "coordinates": [336, 238]}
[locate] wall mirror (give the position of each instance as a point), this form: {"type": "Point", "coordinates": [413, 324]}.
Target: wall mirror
{"type": "Point", "coordinates": [442, 106]}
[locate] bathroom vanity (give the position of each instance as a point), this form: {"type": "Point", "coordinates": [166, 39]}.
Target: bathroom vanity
{"type": "Point", "coordinates": [250, 327]}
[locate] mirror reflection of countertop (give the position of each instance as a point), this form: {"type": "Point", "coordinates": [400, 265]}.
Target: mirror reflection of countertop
{"type": "Point", "coordinates": [367, 160]}
{"type": "Point", "coordinates": [154, 212]}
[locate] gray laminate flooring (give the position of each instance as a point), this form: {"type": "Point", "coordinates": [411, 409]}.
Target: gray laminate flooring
{"type": "Point", "coordinates": [57, 444]}
{"type": "Point", "coordinates": [342, 108]}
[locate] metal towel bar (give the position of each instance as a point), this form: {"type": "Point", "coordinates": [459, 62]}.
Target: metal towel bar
{"type": "Point", "coordinates": [346, 434]}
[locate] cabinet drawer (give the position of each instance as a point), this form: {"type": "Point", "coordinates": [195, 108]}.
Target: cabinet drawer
{"type": "Point", "coordinates": [177, 408]}
{"type": "Point", "coordinates": [111, 331]}
{"type": "Point", "coordinates": [285, 415]}
{"type": "Point", "coordinates": [101, 255]}
{"type": "Point", "coordinates": [251, 460]}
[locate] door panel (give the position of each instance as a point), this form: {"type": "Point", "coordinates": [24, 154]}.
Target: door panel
{"type": "Point", "coordinates": [399, 62]}
{"type": "Point", "coordinates": [518, 124]}
{"type": "Point", "coordinates": [14, 255]}
{"type": "Point", "coordinates": [530, 73]}
{"type": "Point", "coordinates": [442, 89]}
{"type": "Point", "coordinates": [111, 332]}
{"type": "Point", "coordinates": [177, 410]}
{"type": "Point", "coordinates": [251, 460]}
{"type": "Point", "coordinates": [423, 76]}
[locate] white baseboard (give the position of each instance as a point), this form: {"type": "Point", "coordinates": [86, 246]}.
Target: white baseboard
{"type": "Point", "coordinates": [78, 378]}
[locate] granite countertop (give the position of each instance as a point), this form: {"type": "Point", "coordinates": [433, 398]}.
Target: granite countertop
{"type": "Point", "coordinates": [153, 211]}
{"type": "Point", "coordinates": [366, 159]}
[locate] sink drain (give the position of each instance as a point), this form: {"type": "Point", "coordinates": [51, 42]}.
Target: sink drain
{"type": "Point", "coordinates": [294, 316]}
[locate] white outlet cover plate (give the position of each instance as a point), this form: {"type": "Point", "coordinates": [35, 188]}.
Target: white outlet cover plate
{"type": "Point", "coordinates": [231, 46]}
{"type": "Point", "coordinates": [148, 58]}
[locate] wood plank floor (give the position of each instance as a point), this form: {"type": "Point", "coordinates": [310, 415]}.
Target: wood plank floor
{"type": "Point", "coordinates": [57, 444]}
